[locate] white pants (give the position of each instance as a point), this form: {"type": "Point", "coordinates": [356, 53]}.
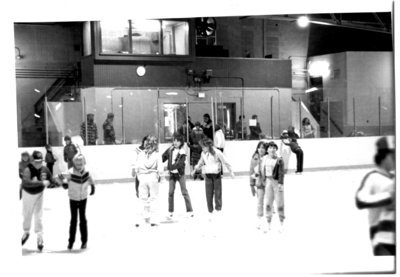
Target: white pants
{"type": "Point", "coordinates": [32, 204]}
{"type": "Point", "coordinates": [148, 185]}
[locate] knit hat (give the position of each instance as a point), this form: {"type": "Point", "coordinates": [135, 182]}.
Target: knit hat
{"type": "Point", "coordinates": [37, 156]}
{"type": "Point", "coordinates": [284, 132]}
{"type": "Point", "coordinates": [384, 144]}
{"type": "Point", "coordinates": [67, 138]}
{"type": "Point", "coordinates": [110, 115]}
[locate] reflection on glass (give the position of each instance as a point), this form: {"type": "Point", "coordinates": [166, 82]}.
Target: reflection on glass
{"type": "Point", "coordinates": [175, 37]}
{"type": "Point", "coordinates": [146, 37]}
{"type": "Point", "coordinates": [174, 120]}
{"type": "Point", "coordinates": [115, 37]}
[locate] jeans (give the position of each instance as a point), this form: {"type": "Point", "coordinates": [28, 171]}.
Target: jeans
{"type": "Point", "coordinates": [299, 157]}
{"type": "Point", "coordinates": [273, 192]}
{"type": "Point", "coordinates": [261, 199]}
{"type": "Point", "coordinates": [32, 205]}
{"type": "Point", "coordinates": [172, 183]}
{"type": "Point", "coordinates": [214, 190]}
{"type": "Point", "coordinates": [75, 207]}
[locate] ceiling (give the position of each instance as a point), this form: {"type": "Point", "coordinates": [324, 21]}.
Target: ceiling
{"type": "Point", "coordinates": [376, 22]}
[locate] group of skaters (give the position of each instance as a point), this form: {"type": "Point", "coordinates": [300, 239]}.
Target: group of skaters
{"type": "Point", "coordinates": [36, 175]}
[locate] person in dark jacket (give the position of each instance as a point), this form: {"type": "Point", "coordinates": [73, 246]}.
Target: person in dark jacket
{"type": "Point", "coordinates": [35, 179]}
{"type": "Point", "coordinates": [207, 126]}
{"type": "Point", "coordinates": [255, 131]}
{"type": "Point", "coordinates": [108, 129]}
{"type": "Point", "coordinates": [49, 158]}
{"type": "Point", "coordinates": [70, 150]}
{"type": "Point", "coordinates": [91, 130]}
{"type": "Point", "coordinates": [176, 157]}
{"type": "Point", "coordinates": [295, 148]}
{"type": "Point", "coordinates": [25, 161]}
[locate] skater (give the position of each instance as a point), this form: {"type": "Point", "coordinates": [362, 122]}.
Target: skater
{"type": "Point", "coordinates": [77, 180]}
{"type": "Point", "coordinates": [273, 176]}
{"type": "Point", "coordinates": [212, 159]}
{"type": "Point", "coordinates": [23, 163]}
{"type": "Point", "coordinates": [257, 184]}
{"type": "Point", "coordinates": [35, 179]}
{"type": "Point", "coordinates": [195, 148]}
{"type": "Point", "coordinates": [377, 194]}
{"type": "Point", "coordinates": [149, 168]}
{"type": "Point", "coordinates": [70, 150]}
{"type": "Point", "coordinates": [91, 130]}
{"type": "Point", "coordinates": [138, 150]}
{"type": "Point", "coordinates": [285, 149]}
{"type": "Point", "coordinates": [295, 148]}
{"type": "Point", "coordinates": [176, 157]}
{"type": "Point", "coordinates": [49, 158]}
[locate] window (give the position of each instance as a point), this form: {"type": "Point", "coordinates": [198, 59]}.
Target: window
{"type": "Point", "coordinates": [145, 37]}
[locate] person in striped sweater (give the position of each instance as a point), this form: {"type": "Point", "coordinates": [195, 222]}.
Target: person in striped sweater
{"type": "Point", "coordinates": [78, 180]}
{"type": "Point", "coordinates": [377, 194]}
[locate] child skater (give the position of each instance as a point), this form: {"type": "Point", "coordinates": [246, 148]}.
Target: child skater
{"type": "Point", "coordinates": [273, 174]}
{"type": "Point", "coordinates": [35, 178]}
{"type": "Point", "coordinates": [212, 159]}
{"type": "Point", "coordinates": [256, 180]}
{"type": "Point", "coordinates": [138, 150]}
{"type": "Point", "coordinates": [49, 158]}
{"type": "Point", "coordinates": [23, 163]}
{"type": "Point", "coordinates": [77, 181]}
{"type": "Point", "coordinates": [149, 168]}
{"type": "Point", "coordinates": [176, 157]}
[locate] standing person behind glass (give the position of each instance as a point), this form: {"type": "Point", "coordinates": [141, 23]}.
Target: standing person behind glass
{"type": "Point", "coordinates": [108, 129]}
{"type": "Point", "coordinates": [273, 175]}
{"type": "Point", "coordinates": [91, 130]}
{"type": "Point", "coordinates": [238, 128]}
{"type": "Point", "coordinates": [49, 158]}
{"type": "Point", "coordinates": [70, 150]}
{"type": "Point", "coordinates": [195, 148]}
{"type": "Point", "coordinates": [176, 157]}
{"type": "Point", "coordinates": [377, 194]}
{"type": "Point", "coordinates": [212, 159]}
{"type": "Point", "coordinates": [219, 139]}
{"type": "Point", "coordinates": [149, 168]}
{"type": "Point", "coordinates": [292, 133]}
{"type": "Point", "coordinates": [257, 184]}
{"type": "Point", "coordinates": [308, 129]}
{"type": "Point", "coordinates": [255, 131]}
{"type": "Point", "coordinates": [207, 126]}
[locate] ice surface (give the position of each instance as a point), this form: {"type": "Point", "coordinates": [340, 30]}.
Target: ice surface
{"type": "Point", "coordinates": [324, 232]}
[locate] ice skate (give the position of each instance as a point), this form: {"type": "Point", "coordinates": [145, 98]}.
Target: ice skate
{"type": "Point", "coordinates": [25, 237]}
{"type": "Point", "coordinates": [84, 245]}
{"type": "Point", "coordinates": [281, 227]}
{"type": "Point", "coordinates": [267, 227]}
{"type": "Point", "coordinates": [70, 245]}
{"type": "Point", "coordinates": [40, 243]}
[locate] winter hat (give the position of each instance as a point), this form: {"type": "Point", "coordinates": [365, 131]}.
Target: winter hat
{"type": "Point", "coordinates": [67, 138]}
{"type": "Point", "coordinates": [37, 156]}
{"type": "Point", "coordinates": [284, 132]}
{"type": "Point", "coordinates": [384, 144]}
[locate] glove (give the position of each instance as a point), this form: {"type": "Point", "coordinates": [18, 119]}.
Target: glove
{"type": "Point", "coordinates": [92, 189]}
{"type": "Point", "coordinates": [65, 185]}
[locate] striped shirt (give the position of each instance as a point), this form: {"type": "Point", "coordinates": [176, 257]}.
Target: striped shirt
{"type": "Point", "coordinates": [78, 183]}
{"type": "Point", "coordinates": [376, 194]}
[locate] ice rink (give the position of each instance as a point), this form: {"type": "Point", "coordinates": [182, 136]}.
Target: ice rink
{"type": "Point", "coordinates": [324, 233]}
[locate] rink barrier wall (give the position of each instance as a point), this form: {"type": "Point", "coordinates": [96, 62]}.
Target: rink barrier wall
{"type": "Point", "coordinates": [113, 163]}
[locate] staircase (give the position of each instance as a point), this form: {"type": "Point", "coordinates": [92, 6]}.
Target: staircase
{"type": "Point", "coordinates": [64, 88]}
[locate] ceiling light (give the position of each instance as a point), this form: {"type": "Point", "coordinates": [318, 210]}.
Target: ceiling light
{"type": "Point", "coordinates": [311, 90]}
{"type": "Point", "coordinates": [140, 71]}
{"type": "Point", "coordinates": [303, 21]}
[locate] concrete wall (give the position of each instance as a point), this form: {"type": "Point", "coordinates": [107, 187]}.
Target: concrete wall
{"type": "Point", "coordinates": [370, 75]}
{"type": "Point", "coordinates": [114, 162]}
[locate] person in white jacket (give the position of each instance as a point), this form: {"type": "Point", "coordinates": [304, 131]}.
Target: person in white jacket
{"type": "Point", "coordinates": [212, 160]}
{"type": "Point", "coordinates": [149, 168]}
{"type": "Point", "coordinates": [219, 138]}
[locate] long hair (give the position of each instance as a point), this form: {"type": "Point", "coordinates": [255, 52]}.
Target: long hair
{"type": "Point", "coordinates": [206, 142]}
{"type": "Point", "coordinates": [261, 143]}
{"type": "Point", "coordinates": [151, 144]}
